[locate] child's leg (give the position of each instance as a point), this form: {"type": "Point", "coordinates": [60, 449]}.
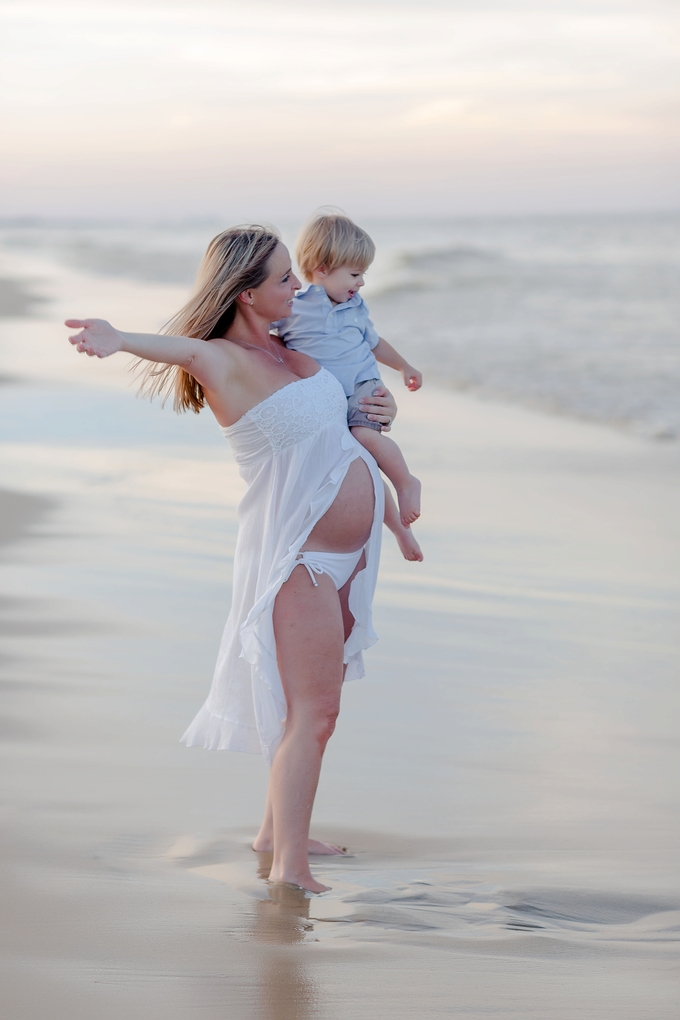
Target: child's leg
{"type": "Point", "coordinates": [391, 462]}
{"type": "Point", "coordinates": [404, 536]}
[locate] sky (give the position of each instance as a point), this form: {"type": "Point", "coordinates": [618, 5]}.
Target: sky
{"type": "Point", "coordinates": [252, 108]}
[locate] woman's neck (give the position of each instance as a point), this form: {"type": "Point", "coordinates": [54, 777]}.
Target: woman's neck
{"type": "Point", "coordinates": [249, 328]}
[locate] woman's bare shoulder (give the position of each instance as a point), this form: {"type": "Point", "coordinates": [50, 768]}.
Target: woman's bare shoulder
{"type": "Point", "coordinates": [212, 360]}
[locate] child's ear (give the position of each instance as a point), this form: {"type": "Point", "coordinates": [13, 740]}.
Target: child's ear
{"type": "Point", "coordinates": [322, 270]}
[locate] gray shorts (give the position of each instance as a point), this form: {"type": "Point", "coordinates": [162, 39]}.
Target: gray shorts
{"type": "Point", "coordinates": [355, 414]}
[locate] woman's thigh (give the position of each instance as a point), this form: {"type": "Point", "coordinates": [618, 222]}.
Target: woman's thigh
{"type": "Point", "coordinates": [308, 628]}
{"type": "Point", "coordinates": [347, 523]}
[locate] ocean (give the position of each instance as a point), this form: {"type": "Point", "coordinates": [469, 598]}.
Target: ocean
{"type": "Point", "coordinates": [576, 315]}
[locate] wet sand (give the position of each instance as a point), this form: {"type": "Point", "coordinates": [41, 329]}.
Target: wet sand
{"type": "Point", "coordinates": [506, 777]}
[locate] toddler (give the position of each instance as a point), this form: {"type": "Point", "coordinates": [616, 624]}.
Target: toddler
{"type": "Point", "coordinates": [330, 322]}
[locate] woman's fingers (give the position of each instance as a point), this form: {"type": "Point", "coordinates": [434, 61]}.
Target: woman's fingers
{"type": "Point", "coordinates": [97, 338]}
{"type": "Point", "coordinates": [379, 404]}
{"type": "Point", "coordinates": [380, 407]}
{"type": "Point", "coordinates": [79, 341]}
{"type": "Point", "coordinates": [383, 419]}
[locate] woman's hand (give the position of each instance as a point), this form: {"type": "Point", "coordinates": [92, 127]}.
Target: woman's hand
{"type": "Point", "coordinates": [98, 337]}
{"type": "Point", "coordinates": [380, 407]}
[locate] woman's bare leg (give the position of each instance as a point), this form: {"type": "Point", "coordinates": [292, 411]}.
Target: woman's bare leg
{"type": "Point", "coordinates": [264, 841]}
{"type": "Point", "coordinates": [310, 628]}
{"type": "Point", "coordinates": [309, 644]}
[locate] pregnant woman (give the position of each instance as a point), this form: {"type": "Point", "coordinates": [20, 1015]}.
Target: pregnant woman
{"type": "Point", "coordinates": [309, 524]}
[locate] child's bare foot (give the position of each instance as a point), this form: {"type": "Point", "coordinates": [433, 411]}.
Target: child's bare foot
{"type": "Point", "coordinates": [314, 846]}
{"type": "Point", "coordinates": [409, 501]}
{"type": "Point", "coordinates": [410, 549]}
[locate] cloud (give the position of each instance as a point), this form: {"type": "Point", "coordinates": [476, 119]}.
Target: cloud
{"type": "Point", "coordinates": [168, 101]}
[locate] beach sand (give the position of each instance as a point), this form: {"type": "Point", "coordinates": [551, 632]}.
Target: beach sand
{"type": "Point", "coordinates": [506, 777]}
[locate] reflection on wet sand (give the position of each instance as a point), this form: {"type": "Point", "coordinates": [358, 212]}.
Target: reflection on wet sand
{"type": "Point", "coordinates": [286, 989]}
{"type": "Point", "coordinates": [283, 917]}
{"type": "Point", "coordinates": [430, 892]}
{"type": "Point", "coordinates": [287, 992]}
{"type": "Point", "coordinates": [415, 896]}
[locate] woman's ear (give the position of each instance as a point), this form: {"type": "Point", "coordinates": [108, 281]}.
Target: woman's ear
{"type": "Point", "coordinates": [246, 297]}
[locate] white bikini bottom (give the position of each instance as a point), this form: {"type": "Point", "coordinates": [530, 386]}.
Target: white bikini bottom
{"type": "Point", "coordinates": [338, 566]}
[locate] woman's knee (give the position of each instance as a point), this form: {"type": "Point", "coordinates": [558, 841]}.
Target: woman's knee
{"type": "Point", "coordinates": [327, 725]}
{"type": "Point", "coordinates": [324, 723]}
{"type": "Point", "coordinates": [316, 722]}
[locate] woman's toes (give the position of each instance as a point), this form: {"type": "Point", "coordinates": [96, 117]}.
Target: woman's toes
{"type": "Point", "coordinates": [316, 846]}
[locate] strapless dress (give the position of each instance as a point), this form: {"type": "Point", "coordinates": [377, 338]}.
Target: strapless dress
{"type": "Point", "coordinates": [293, 450]}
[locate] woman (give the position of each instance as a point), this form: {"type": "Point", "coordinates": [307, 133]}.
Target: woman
{"type": "Point", "coordinates": [309, 525]}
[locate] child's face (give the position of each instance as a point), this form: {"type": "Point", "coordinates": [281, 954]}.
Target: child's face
{"type": "Point", "coordinates": [341, 283]}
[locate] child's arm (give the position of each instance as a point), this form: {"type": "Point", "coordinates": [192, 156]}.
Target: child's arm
{"type": "Point", "coordinates": [100, 339]}
{"type": "Point", "coordinates": [386, 355]}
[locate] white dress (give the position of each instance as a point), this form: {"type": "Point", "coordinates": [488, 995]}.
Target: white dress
{"type": "Point", "coordinates": [293, 451]}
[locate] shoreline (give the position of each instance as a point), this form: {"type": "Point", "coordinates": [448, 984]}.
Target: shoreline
{"type": "Point", "coordinates": [133, 302]}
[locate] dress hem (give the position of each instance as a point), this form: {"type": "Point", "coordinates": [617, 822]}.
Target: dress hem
{"type": "Point", "coordinates": [214, 733]}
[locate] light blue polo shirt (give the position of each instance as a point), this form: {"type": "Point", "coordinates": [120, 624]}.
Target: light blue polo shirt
{"type": "Point", "coordinates": [340, 337]}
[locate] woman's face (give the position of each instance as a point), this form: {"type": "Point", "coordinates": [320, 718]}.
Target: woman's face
{"type": "Point", "coordinates": [273, 299]}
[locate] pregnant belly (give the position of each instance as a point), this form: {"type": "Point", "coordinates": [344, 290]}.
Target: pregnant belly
{"type": "Point", "coordinates": [346, 525]}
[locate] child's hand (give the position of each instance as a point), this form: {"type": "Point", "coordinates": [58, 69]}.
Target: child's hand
{"type": "Point", "coordinates": [98, 338]}
{"type": "Point", "coordinates": [413, 379]}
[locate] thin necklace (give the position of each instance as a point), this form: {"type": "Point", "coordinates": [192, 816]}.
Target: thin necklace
{"type": "Point", "coordinates": [256, 348]}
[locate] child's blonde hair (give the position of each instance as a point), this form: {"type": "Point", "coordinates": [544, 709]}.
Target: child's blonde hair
{"type": "Point", "coordinates": [331, 239]}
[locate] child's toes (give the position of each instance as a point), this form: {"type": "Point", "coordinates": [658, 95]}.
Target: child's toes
{"type": "Point", "coordinates": [409, 546]}
{"type": "Point", "coordinates": [409, 518]}
{"type": "Point", "coordinates": [409, 502]}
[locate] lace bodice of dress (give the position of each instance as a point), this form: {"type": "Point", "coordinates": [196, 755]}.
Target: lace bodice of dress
{"type": "Point", "coordinates": [291, 414]}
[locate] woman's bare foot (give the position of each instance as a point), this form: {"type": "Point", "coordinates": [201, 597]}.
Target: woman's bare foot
{"type": "Point", "coordinates": [307, 883]}
{"type": "Point", "coordinates": [409, 501]}
{"type": "Point", "coordinates": [314, 846]}
{"type": "Point", "coordinates": [406, 541]}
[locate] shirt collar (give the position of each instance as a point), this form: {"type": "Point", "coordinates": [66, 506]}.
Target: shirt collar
{"type": "Point", "coordinates": [318, 295]}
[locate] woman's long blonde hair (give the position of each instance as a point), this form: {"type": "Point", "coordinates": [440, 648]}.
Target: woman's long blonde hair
{"type": "Point", "coordinates": [236, 260]}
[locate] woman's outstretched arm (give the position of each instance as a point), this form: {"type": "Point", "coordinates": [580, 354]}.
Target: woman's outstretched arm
{"type": "Point", "coordinates": [99, 339]}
